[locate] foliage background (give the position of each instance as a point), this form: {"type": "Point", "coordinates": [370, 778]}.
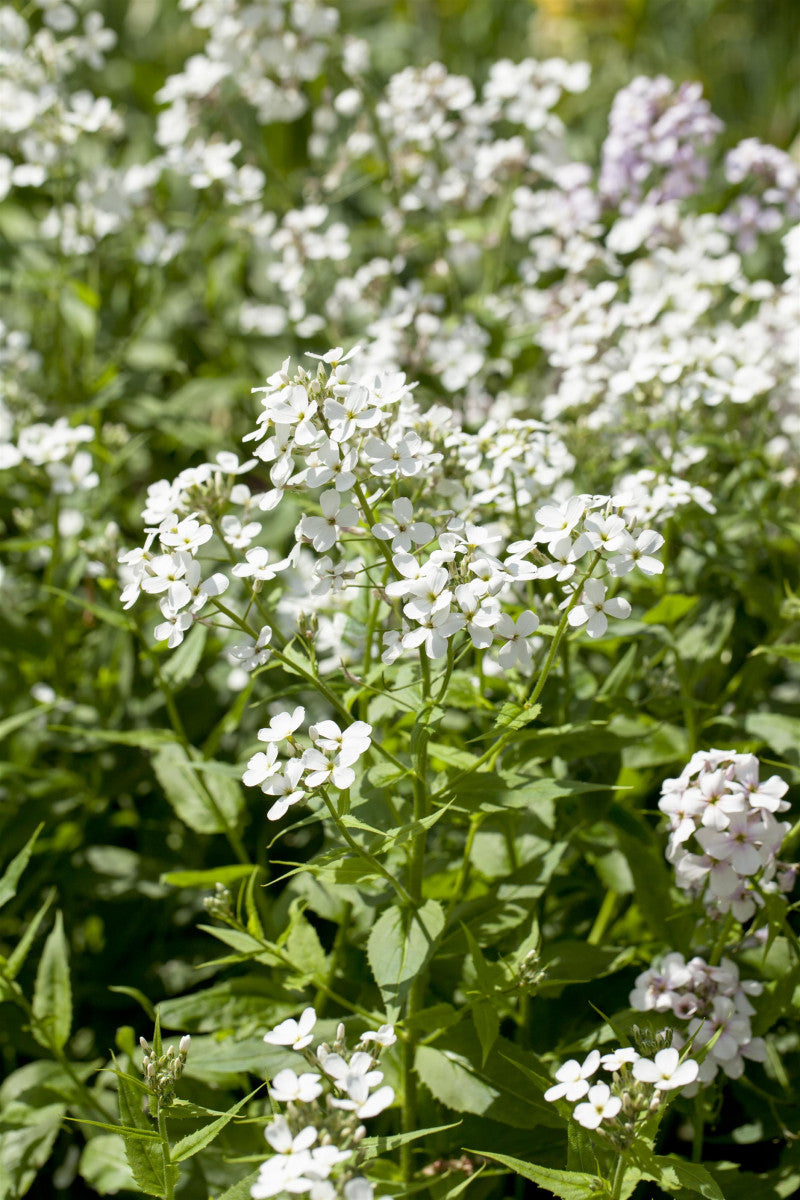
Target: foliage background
{"type": "Point", "coordinates": [166, 365]}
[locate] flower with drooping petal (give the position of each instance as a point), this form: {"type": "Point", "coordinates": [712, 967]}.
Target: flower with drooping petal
{"type": "Point", "coordinates": [296, 1034]}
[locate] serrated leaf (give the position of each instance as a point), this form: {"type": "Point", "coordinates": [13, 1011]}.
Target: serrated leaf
{"type": "Point", "coordinates": [671, 1172]}
{"type": "Point", "coordinates": [193, 1143]}
{"type": "Point", "coordinates": [513, 716]}
{"type": "Point", "coordinates": [145, 1155]}
{"type": "Point", "coordinates": [240, 1190]}
{"type": "Point", "coordinates": [52, 995]}
{"type": "Point", "coordinates": [211, 805]}
{"type": "Point", "coordinates": [384, 1144]}
{"type": "Point", "coordinates": [568, 1185]}
{"type": "Point", "coordinates": [400, 945]}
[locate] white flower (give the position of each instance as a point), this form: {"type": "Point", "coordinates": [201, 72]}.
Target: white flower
{"type": "Point", "coordinates": [594, 609]}
{"type": "Point", "coordinates": [284, 786]}
{"type": "Point", "coordinates": [261, 766]}
{"type": "Point", "coordinates": [404, 529]}
{"type": "Point", "coordinates": [619, 1058]}
{"type": "Point", "coordinates": [296, 1034]}
{"type": "Point", "coordinates": [279, 1136]}
{"type": "Point", "coordinates": [384, 1036]}
{"type": "Point", "coordinates": [188, 535]}
{"type": "Point", "coordinates": [599, 1106]}
{"type": "Point", "coordinates": [666, 1071]}
{"type": "Point", "coordinates": [327, 736]}
{"type": "Point", "coordinates": [323, 532]}
{"type": "Point", "coordinates": [282, 725]}
{"type": "Point", "coordinates": [556, 522]}
{"type": "Point", "coordinates": [257, 565]}
{"type": "Point", "coordinates": [517, 647]}
{"type": "Point", "coordinates": [323, 770]}
{"type": "Point", "coordinates": [638, 553]}
{"type": "Point", "coordinates": [173, 627]}
{"type": "Point", "coordinates": [572, 1078]}
{"type": "Point", "coordinates": [288, 1086]}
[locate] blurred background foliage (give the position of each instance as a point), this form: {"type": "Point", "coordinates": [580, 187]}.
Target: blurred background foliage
{"type": "Point", "coordinates": [746, 53]}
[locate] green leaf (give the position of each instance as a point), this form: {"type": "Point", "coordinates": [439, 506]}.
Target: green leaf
{"type": "Point", "coordinates": [193, 1143]}
{"type": "Point", "coordinates": [568, 1185]}
{"type": "Point", "coordinates": [138, 996]}
{"type": "Point", "coordinates": [13, 872]}
{"type": "Point", "coordinates": [382, 1145]}
{"type": "Point", "coordinates": [17, 720]}
{"type": "Point", "coordinates": [777, 730]}
{"type": "Point", "coordinates": [788, 650]}
{"type": "Point", "coordinates": [453, 1073]}
{"type": "Point", "coordinates": [240, 1190]}
{"type": "Point", "coordinates": [181, 665]}
{"type": "Point", "coordinates": [514, 716]}
{"type": "Point", "coordinates": [400, 945]}
{"type": "Point", "coordinates": [206, 806]}
{"type": "Point", "coordinates": [669, 609]}
{"type": "Point", "coordinates": [144, 1155]}
{"type": "Point", "coordinates": [17, 957]}
{"type": "Point", "coordinates": [671, 1172]}
{"type": "Point", "coordinates": [104, 1167]}
{"type": "Point", "coordinates": [52, 995]}
{"type": "Point", "coordinates": [208, 878]}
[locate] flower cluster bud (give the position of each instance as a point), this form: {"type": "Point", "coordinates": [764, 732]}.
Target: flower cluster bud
{"type": "Point", "coordinates": [219, 904]}
{"type": "Point", "coordinates": [162, 1071]}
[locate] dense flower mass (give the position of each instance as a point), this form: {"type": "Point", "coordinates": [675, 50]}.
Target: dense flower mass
{"type": "Point", "coordinates": [721, 807]}
{"type": "Point", "coordinates": [452, 564]}
{"type": "Point", "coordinates": [712, 1003]}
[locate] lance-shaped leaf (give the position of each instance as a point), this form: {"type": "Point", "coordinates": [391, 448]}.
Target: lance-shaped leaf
{"type": "Point", "coordinates": [400, 945]}
{"type": "Point", "coordinates": [52, 995]}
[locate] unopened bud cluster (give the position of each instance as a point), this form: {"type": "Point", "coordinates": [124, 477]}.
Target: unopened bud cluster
{"type": "Point", "coordinates": [531, 975]}
{"type": "Point", "coordinates": [219, 904]}
{"type": "Point", "coordinates": [162, 1071]}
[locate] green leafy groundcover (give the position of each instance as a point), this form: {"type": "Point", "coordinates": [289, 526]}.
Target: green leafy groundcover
{"type": "Point", "coordinates": [417, 789]}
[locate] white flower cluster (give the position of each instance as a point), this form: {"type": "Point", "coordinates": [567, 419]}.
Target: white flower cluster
{"type": "Point", "coordinates": [327, 762]}
{"type": "Point", "coordinates": [350, 445]}
{"type": "Point", "coordinates": [720, 807]}
{"type": "Point", "coordinates": [636, 1088]}
{"type": "Point", "coordinates": [714, 1004]}
{"type": "Point", "coordinates": [54, 447]}
{"type": "Point", "coordinates": [315, 1144]}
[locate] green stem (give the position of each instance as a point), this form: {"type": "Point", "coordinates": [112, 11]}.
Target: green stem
{"type": "Point", "coordinates": [722, 940]}
{"type": "Point", "coordinates": [618, 1178]}
{"type": "Point", "coordinates": [416, 881]}
{"type": "Point", "coordinates": [697, 1128]}
{"type": "Point", "coordinates": [490, 756]}
{"type": "Point", "coordinates": [374, 862]}
{"type": "Point", "coordinates": [169, 1184]}
{"type": "Point", "coordinates": [604, 919]}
